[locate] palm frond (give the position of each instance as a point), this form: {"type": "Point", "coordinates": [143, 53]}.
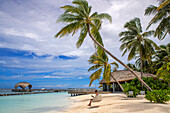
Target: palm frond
{"type": "Point", "coordinates": [164, 4]}
{"type": "Point", "coordinates": [95, 75]}
{"type": "Point", "coordinates": [94, 14]}
{"type": "Point", "coordinates": [106, 73]}
{"type": "Point", "coordinates": [148, 33]}
{"type": "Point", "coordinates": [94, 67]}
{"type": "Point", "coordinates": [82, 5]}
{"type": "Point", "coordinates": [104, 16]}
{"type": "Point", "coordinates": [161, 30]}
{"type": "Point", "coordinates": [69, 18]}
{"type": "Point", "coordinates": [82, 36]}
{"type": "Point", "coordinates": [115, 64]}
{"type": "Point", "coordinates": [69, 29]}
{"type": "Point", "coordinates": [138, 24]}
{"type": "Point", "coordinates": [150, 10]}
{"type": "Point", "coordinates": [73, 10]}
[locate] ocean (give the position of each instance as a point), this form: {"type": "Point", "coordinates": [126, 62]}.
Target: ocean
{"type": "Point", "coordinates": [34, 103]}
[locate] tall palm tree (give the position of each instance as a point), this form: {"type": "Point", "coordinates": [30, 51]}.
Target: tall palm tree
{"type": "Point", "coordinates": [133, 66]}
{"type": "Point", "coordinates": [135, 42]}
{"type": "Point", "coordinates": [162, 14]}
{"type": "Point", "coordinates": [101, 64]}
{"type": "Point", "coordinates": [79, 17]}
{"type": "Point", "coordinates": [162, 56]}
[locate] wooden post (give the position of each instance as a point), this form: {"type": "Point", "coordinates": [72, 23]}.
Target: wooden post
{"type": "Point", "coordinates": [113, 87]}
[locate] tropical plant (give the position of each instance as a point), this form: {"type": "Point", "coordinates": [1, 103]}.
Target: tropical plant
{"type": "Point", "coordinates": [146, 65]}
{"type": "Point", "coordinates": [164, 72]}
{"type": "Point", "coordinates": [162, 14]}
{"type": "Point", "coordinates": [130, 87]}
{"type": "Point", "coordinates": [158, 96]}
{"type": "Point", "coordinates": [78, 17]}
{"type": "Point", "coordinates": [161, 57]}
{"type": "Point", "coordinates": [101, 64]}
{"type": "Point", "coordinates": [133, 66]}
{"type": "Point", "coordinates": [135, 42]}
{"type": "Point", "coordinates": [154, 83]}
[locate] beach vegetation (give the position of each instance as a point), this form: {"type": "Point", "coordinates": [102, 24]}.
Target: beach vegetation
{"type": "Point", "coordinates": [158, 96]}
{"type": "Point", "coordinates": [78, 17]}
{"type": "Point", "coordinates": [161, 57]}
{"type": "Point", "coordinates": [164, 72]}
{"type": "Point", "coordinates": [154, 83]}
{"type": "Point", "coordinates": [130, 87]}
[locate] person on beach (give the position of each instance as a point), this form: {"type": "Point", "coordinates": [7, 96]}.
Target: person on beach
{"type": "Point", "coordinates": [91, 100]}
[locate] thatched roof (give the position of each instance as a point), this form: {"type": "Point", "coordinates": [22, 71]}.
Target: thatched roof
{"type": "Point", "coordinates": [23, 85]}
{"type": "Point", "coordinates": [125, 75]}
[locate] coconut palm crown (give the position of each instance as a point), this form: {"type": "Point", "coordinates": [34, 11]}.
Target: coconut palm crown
{"type": "Point", "coordinates": [162, 14]}
{"type": "Point", "coordinates": [100, 65]}
{"type": "Point", "coordinates": [77, 17]}
{"type": "Point", "coordinates": [135, 42]}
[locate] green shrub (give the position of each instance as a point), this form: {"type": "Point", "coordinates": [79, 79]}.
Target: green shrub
{"type": "Point", "coordinates": [129, 87]}
{"type": "Point", "coordinates": [154, 84]}
{"type": "Point", "coordinates": [158, 96]}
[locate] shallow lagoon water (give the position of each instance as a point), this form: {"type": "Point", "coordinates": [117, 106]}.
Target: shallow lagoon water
{"type": "Point", "coordinates": [34, 103]}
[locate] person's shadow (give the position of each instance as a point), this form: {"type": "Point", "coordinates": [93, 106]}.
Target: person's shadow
{"type": "Point", "coordinates": [91, 107]}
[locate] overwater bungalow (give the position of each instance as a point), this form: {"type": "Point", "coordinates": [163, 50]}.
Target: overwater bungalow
{"type": "Point", "coordinates": [122, 76]}
{"type": "Point", "coordinates": [23, 86]}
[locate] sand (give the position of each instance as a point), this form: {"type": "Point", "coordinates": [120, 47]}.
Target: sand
{"type": "Point", "coordinates": [116, 103]}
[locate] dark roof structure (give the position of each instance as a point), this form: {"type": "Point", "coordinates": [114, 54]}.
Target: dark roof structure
{"type": "Point", "coordinates": [23, 85]}
{"type": "Point", "coordinates": [125, 75]}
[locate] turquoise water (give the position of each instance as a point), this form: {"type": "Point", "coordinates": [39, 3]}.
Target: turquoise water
{"type": "Point", "coordinates": [34, 103]}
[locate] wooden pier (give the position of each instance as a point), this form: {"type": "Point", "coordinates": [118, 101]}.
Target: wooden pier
{"type": "Point", "coordinates": [76, 92]}
{"type": "Point", "coordinates": [33, 91]}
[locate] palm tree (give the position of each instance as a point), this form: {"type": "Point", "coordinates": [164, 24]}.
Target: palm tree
{"type": "Point", "coordinates": [135, 42]}
{"type": "Point", "coordinates": [79, 18]}
{"type": "Point", "coordinates": [145, 63]}
{"type": "Point", "coordinates": [162, 56]}
{"type": "Point", "coordinates": [133, 66]}
{"type": "Point", "coordinates": [101, 64]}
{"type": "Point", "coordinates": [162, 14]}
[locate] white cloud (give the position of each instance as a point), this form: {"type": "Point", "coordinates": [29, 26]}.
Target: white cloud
{"type": "Point", "coordinates": [2, 62]}
{"type": "Point", "coordinates": [80, 78]}
{"type": "Point", "coordinates": [48, 76]}
{"type": "Point", "coordinates": [22, 34]}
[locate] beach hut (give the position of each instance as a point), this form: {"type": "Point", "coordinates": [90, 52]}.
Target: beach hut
{"type": "Point", "coordinates": [23, 85]}
{"type": "Point", "coordinates": [122, 76]}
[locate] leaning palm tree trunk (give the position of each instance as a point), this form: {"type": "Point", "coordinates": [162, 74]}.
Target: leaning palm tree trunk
{"type": "Point", "coordinates": [118, 83]}
{"type": "Point", "coordinates": [88, 27]}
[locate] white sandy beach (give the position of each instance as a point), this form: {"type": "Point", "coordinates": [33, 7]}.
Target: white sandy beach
{"type": "Point", "coordinates": [116, 103]}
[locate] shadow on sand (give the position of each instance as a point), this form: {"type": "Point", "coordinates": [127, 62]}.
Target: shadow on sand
{"type": "Point", "coordinates": [92, 107]}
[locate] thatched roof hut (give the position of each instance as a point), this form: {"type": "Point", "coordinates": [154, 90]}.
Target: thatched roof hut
{"type": "Point", "coordinates": [23, 85]}
{"type": "Point", "coordinates": [125, 75]}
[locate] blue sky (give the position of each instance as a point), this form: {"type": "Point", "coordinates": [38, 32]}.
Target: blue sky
{"type": "Point", "coordinates": [29, 52]}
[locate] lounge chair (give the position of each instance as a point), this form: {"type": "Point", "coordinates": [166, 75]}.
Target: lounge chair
{"type": "Point", "coordinates": [130, 94]}
{"type": "Point", "coordinates": [142, 92]}
{"type": "Point", "coordinates": [97, 98]}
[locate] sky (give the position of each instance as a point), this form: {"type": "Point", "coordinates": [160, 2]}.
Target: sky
{"type": "Point", "coordinates": [30, 53]}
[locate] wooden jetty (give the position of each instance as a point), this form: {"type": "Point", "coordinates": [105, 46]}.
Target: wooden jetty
{"type": "Point", "coordinates": [76, 92]}
{"type": "Point", "coordinates": [33, 91]}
